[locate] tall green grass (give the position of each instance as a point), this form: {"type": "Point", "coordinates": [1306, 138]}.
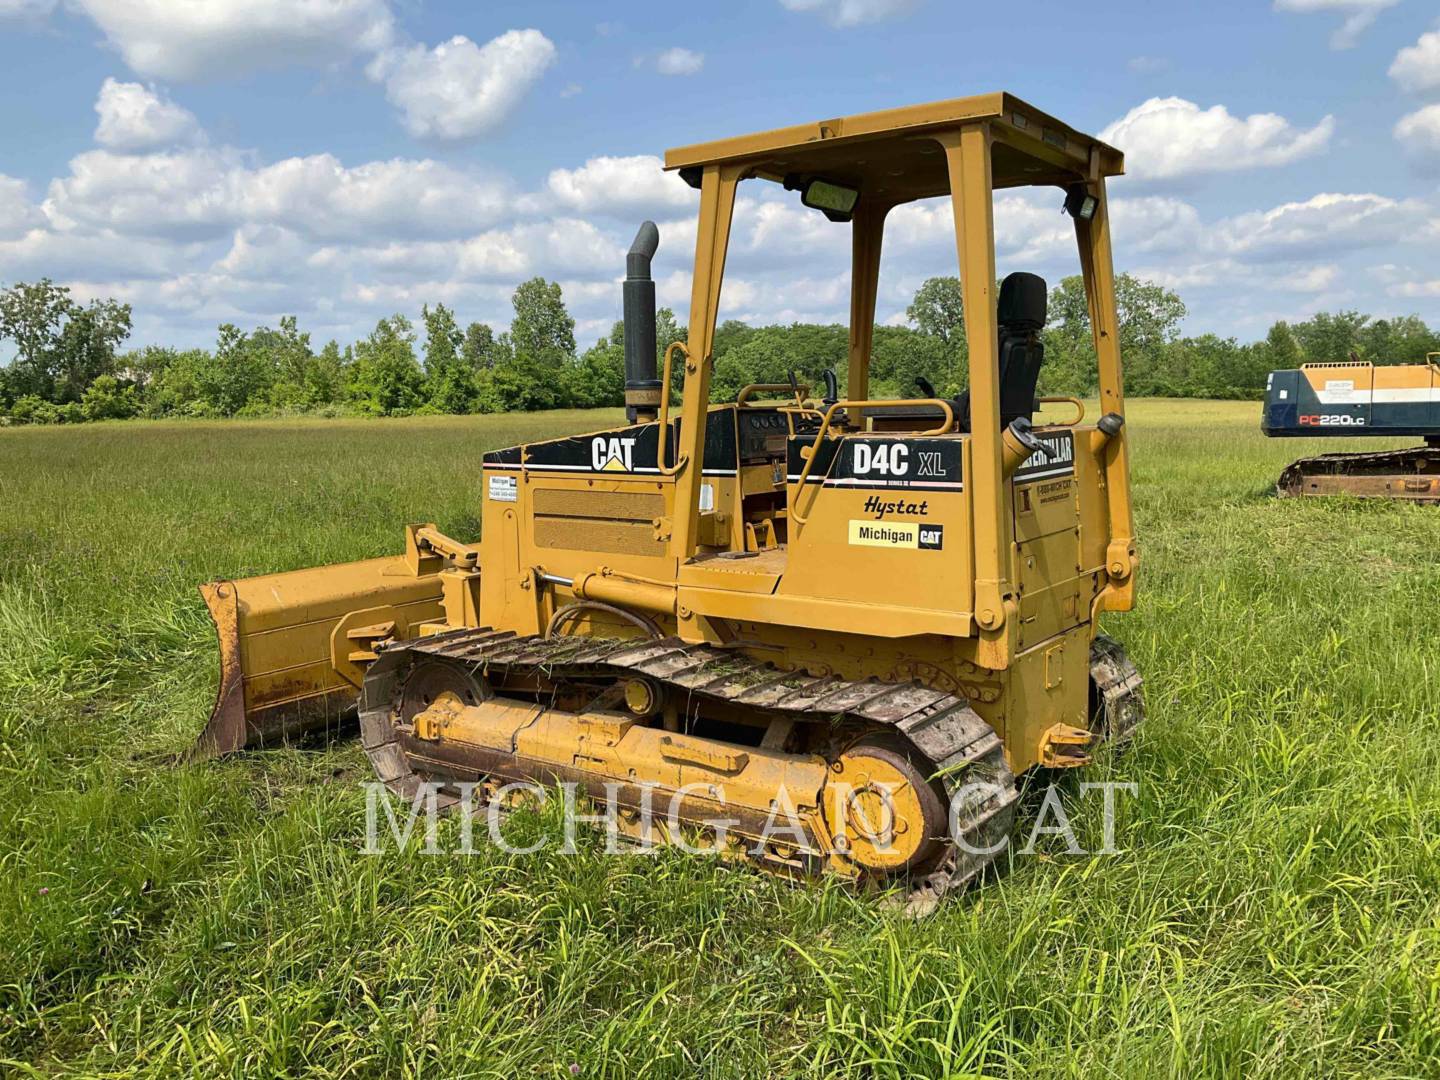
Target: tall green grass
{"type": "Point", "coordinates": [1275, 910]}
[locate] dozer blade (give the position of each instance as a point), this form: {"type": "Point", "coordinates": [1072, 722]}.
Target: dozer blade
{"type": "Point", "coordinates": [293, 645]}
{"type": "Point", "coordinates": [1409, 475]}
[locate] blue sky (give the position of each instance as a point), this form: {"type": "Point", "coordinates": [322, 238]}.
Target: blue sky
{"type": "Point", "coordinates": [236, 160]}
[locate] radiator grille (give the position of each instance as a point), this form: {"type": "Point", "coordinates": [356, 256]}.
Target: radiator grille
{"type": "Point", "coordinates": [619, 522]}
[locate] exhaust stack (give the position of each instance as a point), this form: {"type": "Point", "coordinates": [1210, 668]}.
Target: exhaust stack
{"type": "Point", "coordinates": [642, 387]}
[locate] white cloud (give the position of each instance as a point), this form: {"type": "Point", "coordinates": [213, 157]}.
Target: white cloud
{"type": "Point", "coordinates": [1417, 67]}
{"type": "Point", "coordinates": [17, 213]}
{"type": "Point", "coordinates": [188, 193]}
{"type": "Point", "coordinates": [26, 9]}
{"type": "Point", "coordinates": [553, 248]}
{"type": "Point", "coordinates": [1416, 288]}
{"type": "Point", "coordinates": [270, 252]}
{"type": "Point", "coordinates": [778, 230]}
{"type": "Point", "coordinates": [624, 186]}
{"type": "Point", "coordinates": [1359, 14]}
{"type": "Point", "coordinates": [1171, 138]}
{"type": "Point", "coordinates": [200, 39]}
{"type": "Point", "coordinates": [1419, 133]}
{"type": "Point", "coordinates": [846, 13]}
{"type": "Point", "coordinates": [65, 256]}
{"type": "Point", "coordinates": [1250, 279]}
{"type": "Point", "coordinates": [1316, 278]}
{"type": "Point", "coordinates": [194, 234]}
{"type": "Point", "coordinates": [679, 61]}
{"type": "Point", "coordinates": [1155, 224]}
{"type": "Point", "coordinates": [135, 117]}
{"type": "Point", "coordinates": [458, 89]}
{"type": "Point", "coordinates": [1029, 231]}
{"type": "Point", "coordinates": [206, 193]}
{"type": "Point", "coordinates": [561, 246]}
{"type": "Point", "coordinates": [1323, 225]}
{"type": "Point", "coordinates": [401, 197]}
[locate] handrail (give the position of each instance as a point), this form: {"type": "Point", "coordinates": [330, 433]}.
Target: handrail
{"type": "Point", "coordinates": [1063, 399]}
{"type": "Point", "coordinates": [662, 433]}
{"type": "Point", "coordinates": [946, 409]}
{"type": "Point", "coordinates": [769, 388]}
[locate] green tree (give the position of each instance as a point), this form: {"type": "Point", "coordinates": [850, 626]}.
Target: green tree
{"type": "Point", "coordinates": [61, 347]}
{"type": "Point", "coordinates": [530, 364]}
{"type": "Point", "coordinates": [598, 378]}
{"type": "Point", "coordinates": [1281, 350]}
{"type": "Point", "coordinates": [728, 335]}
{"type": "Point", "coordinates": [31, 409]}
{"type": "Point", "coordinates": [668, 330]}
{"type": "Point", "coordinates": [478, 348]}
{"type": "Point", "coordinates": [449, 379]}
{"type": "Point", "coordinates": [87, 346]}
{"type": "Point", "coordinates": [142, 367]}
{"type": "Point", "coordinates": [1149, 314]}
{"type": "Point", "coordinates": [286, 354]}
{"type": "Point", "coordinates": [173, 386]}
{"type": "Point", "coordinates": [32, 315]}
{"type": "Point", "coordinates": [1327, 337]}
{"type": "Point", "coordinates": [1149, 321]}
{"type": "Point", "coordinates": [770, 353]}
{"type": "Point", "coordinates": [542, 332]}
{"type": "Point", "coordinates": [938, 313]}
{"type": "Point", "coordinates": [325, 376]}
{"type": "Point", "coordinates": [106, 399]}
{"type": "Point", "coordinates": [386, 379]}
{"type": "Point", "coordinates": [938, 309]}
{"type": "Point", "coordinates": [512, 387]}
{"type": "Point", "coordinates": [1402, 340]}
{"type": "Point", "coordinates": [1070, 366]}
{"type": "Point", "coordinates": [900, 355]}
{"type": "Point", "coordinates": [235, 375]}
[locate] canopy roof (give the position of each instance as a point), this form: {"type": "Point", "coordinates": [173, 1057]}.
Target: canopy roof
{"type": "Point", "coordinates": [891, 155]}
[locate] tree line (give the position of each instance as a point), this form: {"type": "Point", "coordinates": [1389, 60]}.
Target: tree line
{"type": "Point", "coordinates": [68, 365]}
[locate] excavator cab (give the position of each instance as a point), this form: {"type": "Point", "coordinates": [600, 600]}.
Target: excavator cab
{"type": "Point", "coordinates": [881, 610]}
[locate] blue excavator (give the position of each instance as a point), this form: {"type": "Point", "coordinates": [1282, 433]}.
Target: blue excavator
{"type": "Point", "coordinates": [1356, 398]}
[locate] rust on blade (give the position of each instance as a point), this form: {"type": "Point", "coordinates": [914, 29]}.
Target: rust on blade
{"type": "Point", "coordinates": [225, 731]}
{"type": "Point", "coordinates": [294, 645]}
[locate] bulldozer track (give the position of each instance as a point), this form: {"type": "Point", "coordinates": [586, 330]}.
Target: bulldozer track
{"type": "Point", "coordinates": [941, 727]}
{"type": "Point", "coordinates": [1117, 682]}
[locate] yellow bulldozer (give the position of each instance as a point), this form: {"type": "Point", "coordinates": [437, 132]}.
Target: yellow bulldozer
{"type": "Point", "coordinates": [877, 612]}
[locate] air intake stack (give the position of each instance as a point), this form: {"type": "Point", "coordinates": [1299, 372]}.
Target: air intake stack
{"type": "Point", "coordinates": [642, 387]}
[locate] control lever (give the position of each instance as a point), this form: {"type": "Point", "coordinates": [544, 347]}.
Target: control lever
{"type": "Point", "coordinates": [925, 386]}
{"type": "Point", "coordinates": [832, 386]}
{"type": "Point", "coordinates": [795, 389]}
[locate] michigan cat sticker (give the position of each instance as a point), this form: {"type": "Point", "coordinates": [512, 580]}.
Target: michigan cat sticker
{"type": "Point", "coordinates": [897, 534]}
{"type": "Point", "coordinates": [504, 489]}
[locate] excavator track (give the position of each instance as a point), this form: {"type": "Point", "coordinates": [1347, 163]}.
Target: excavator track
{"type": "Point", "coordinates": [957, 747]}
{"type": "Point", "coordinates": [1412, 475]}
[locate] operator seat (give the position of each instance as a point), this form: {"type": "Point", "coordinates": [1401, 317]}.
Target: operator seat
{"type": "Point", "coordinates": [1021, 317]}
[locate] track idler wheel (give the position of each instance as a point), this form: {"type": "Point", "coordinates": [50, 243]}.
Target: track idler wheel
{"type": "Point", "coordinates": [884, 814]}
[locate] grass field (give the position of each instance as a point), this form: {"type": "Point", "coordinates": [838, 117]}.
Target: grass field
{"type": "Point", "coordinates": [1275, 909]}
